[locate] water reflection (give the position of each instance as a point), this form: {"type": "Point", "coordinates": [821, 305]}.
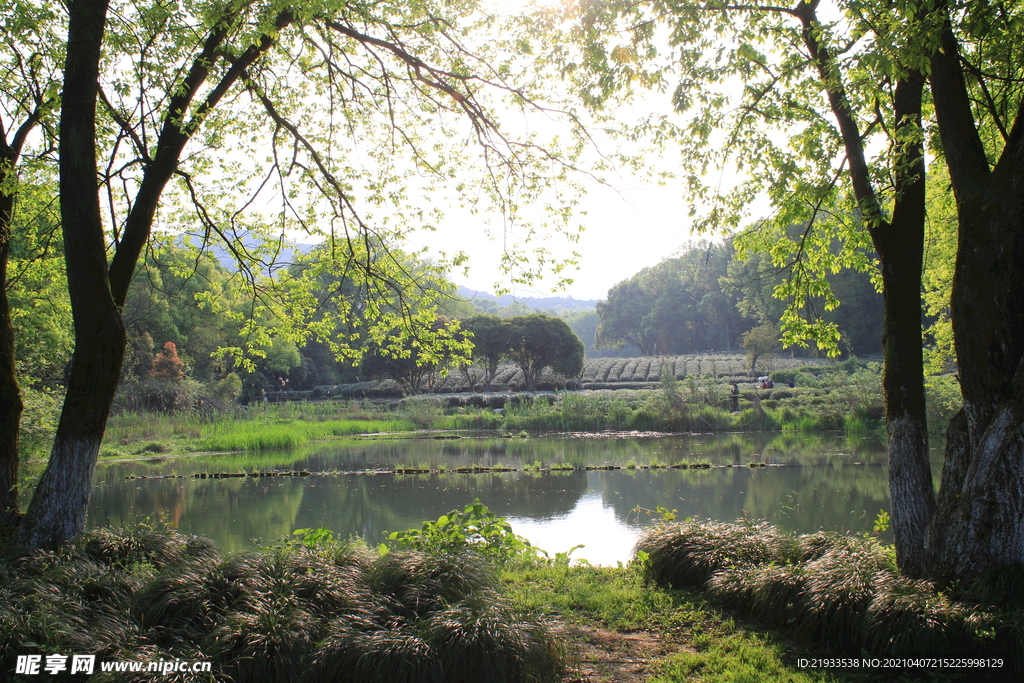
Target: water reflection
{"type": "Point", "coordinates": [820, 483]}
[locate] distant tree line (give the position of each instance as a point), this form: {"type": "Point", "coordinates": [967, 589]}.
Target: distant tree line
{"type": "Point", "coordinates": [707, 298]}
{"type": "Point", "coordinates": [703, 299]}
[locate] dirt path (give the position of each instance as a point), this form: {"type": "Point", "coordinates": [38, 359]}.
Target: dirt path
{"type": "Point", "coordinates": [612, 657]}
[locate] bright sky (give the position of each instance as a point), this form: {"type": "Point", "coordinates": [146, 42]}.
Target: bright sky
{"type": "Point", "coordinates": [631, 224]}
{"type": "Point", "coordinates": [634, 226]}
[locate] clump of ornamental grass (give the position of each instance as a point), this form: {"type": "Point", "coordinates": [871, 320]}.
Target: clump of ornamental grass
{"type": "Point", "coordinates": [688, 553]}
{"type": "Point", "coordinates": [841, 591]}
{"type": "Point", "coordinates": [415, 584]}
{"type": "Point", "coordinates": [143, 544]}
{"type": "Point", "coordinates": [770, 592]}
{"type": "Point", "coordinates": [74, 597]}
{"type": "Point", "coordinates": [839, 586]}
{"type": "Point", "coordinates": [907, 617]}
{"type": "Point", "coordinates": [319, 612]}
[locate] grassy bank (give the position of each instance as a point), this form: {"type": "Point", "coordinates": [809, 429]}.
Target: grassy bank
{"type": "Point", "coordinates": [465, 598]}
{"type": "Point", "coordinates": [313, 609]}
{"type": "Point", "coordinates": [254, 428]}
{"type": "Point", "coordinates": [848, 399]}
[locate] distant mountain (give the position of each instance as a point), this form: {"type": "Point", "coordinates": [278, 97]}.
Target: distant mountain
{"type": "Point", "coordinates": [541, 303]}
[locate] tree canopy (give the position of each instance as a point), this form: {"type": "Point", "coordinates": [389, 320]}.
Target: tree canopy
{"type": "Point", "coordinates": [536, 342]}
{"type": "Point", "coordinates": [242, 122]}
{"type": "Point", "coordinates": [707, 297]}
{"type": "Point", "coordinates": [824, 114]}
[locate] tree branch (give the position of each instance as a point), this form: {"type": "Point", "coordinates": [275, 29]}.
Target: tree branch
{"type": "Point", "coordinates": [965, 154]}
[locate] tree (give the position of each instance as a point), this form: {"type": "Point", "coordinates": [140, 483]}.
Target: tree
{"type": "Point", "coordinates": [491, 343]}
{"type": "Point", "coordinates": [190, 299]}
{"type": "Point", "coordinates": [978, 523]}
{"type": "Point", "coordinates": [675, 307]}
{"type": "Point", "coordinates": [815, 98]}
{"type": "Point", "coordinates": [417, 363]}
{"type": "Point", "coordinates": [27, 99]}
{"type": "Point", "coordinates": [858, 320]}
{"type": "Point", "coordinates": [167, 365]}
{"type": "Point", "coordinates": [622, 318]}
{"type": "Point", "coordinates": [541, 341]}
{"type": "Point", "coordinates": [760, 343]}
{"type": "Point", "coordinates": [305, 80]}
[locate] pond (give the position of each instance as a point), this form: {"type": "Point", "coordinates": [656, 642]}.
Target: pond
{"type": "Point", "coordinates": [811, 482]}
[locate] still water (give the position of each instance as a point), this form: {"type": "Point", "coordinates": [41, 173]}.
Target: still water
{"type": "Point", "coordinates": [812, 482]}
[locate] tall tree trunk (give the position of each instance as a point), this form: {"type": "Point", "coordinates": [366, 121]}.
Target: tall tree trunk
{"type": "Point", "coordinates": [10, 394]}
{"type": "Point", "coordinates": [57, 511]}
{"type": "Point", "coordinates": [979, 522]}
{"type": "Point", "coordinates": [900, 246]}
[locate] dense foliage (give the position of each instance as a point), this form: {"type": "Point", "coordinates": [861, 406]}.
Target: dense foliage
{"type": "Point", "coordinates": [708, 297]}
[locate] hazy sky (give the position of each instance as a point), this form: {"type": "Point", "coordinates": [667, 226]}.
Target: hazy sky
{"type": "Point", "coordinates": [630, 227]}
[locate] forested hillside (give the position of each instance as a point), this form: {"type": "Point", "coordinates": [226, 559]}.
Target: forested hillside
{"type": "Point", "coordinates": [706, 298]}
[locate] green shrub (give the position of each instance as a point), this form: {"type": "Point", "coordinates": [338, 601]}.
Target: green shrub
{"type": "Point", "coordinates": [474, 527]}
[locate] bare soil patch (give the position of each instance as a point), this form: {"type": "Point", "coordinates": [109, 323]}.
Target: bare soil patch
{"type": "Point", "coordinates": [605, 656]}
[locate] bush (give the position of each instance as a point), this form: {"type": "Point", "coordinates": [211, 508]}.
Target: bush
{"type": "Point", "coordinates": [38, 421]}
{"type": "Point", "coordinates": [168, 396]}
{"type": "Point", "coordinates": [474, 527]}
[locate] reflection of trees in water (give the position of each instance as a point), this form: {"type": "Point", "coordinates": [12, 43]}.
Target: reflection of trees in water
{"type": "Point", "coordinates": [369, 506]}
{"type": "Point", "coordinates": [231, 511]}
{"type": "Point", "coordinates": [839, 496]}
{"type": "Point", "coordinates": [820, 489]}
{"type": "Point", "coordinates": [735, 448]}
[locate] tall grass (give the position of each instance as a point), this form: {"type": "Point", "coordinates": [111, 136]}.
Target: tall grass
{"type": "Point", "coordinates": [258, 428]}
{"type": "Point", "coordinates": [332, 612]}
{"type": "Point", "coordinates": [242, 436]}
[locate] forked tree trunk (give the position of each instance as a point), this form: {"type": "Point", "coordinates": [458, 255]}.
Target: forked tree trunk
{"type": "Point", "coordinates": [979, 522]}
{"type": "Point", "coordinates": [900, 246]}
{"type": "Point", "coordinates": [980, 519]}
